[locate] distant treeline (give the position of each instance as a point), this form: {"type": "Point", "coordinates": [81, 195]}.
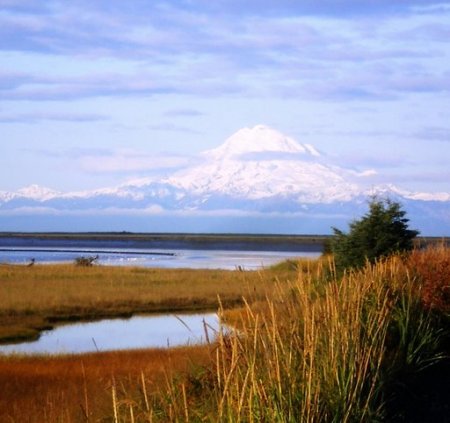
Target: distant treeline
{"type": "Point", "coordinates": [206, 237]}
{"type": "Point", "coordinates": [195, 238]}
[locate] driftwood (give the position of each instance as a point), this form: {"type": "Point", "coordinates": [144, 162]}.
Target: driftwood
{"type": "Point", "coordinates": [86, 261]}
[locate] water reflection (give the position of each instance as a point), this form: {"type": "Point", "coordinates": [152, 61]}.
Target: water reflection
{"type": "Point", "coordinates": [121, 334]}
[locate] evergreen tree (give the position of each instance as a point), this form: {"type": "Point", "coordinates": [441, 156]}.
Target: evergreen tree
{"type": "Point", "coordinates": [379, 233]}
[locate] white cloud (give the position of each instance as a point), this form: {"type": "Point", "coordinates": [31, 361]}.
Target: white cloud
{"type": "Point", "coordinates": [367, 173]}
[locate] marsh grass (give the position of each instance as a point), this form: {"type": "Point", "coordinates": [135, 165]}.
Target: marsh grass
{"type": "Point", "coordinates": [314, 356]}
{"type": "Point", "coordinates": [326, 349]}
{"type": "Point", "coordinates": [77, 388]}
{"type": "Point", "coordinates": [305, 346]}
{"type": "Point", "coordinates": [37, 297]}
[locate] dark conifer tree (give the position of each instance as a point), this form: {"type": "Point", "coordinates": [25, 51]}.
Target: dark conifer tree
{"type": "Point", "coordinates": [379, 233]}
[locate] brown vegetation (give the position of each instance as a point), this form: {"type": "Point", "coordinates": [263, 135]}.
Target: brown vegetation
{"type": "Point", "coordinates": [432, 270]}
{"type": "Point", "coordinates": [310, 346]}
{"type": "Point", "coordinates": [327, 349]}
{"type": "Point", "coordinates": [79, 388]}
{"type": "Point", "coordinates": [37, 297]}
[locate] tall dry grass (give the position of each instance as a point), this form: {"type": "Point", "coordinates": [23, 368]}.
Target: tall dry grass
{"type": "Point", "coordinates": [311, 347]}
{"type": "Point", "coordinates": [325, 350]}
{"type": "Point", "coordinates": [314, 356]}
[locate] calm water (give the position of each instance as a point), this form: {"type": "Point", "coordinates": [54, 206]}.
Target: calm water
{"type": "Point", "coordinates": [140, 331]}
{"type": "Point", "coordinates": [121, 334]}
{"type": "Point", "coordinates": [216, 257]}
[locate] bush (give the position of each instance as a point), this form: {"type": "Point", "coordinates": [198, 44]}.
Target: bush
{"type": "Point", "coordinates": [381, 232]}
{"type": "Point", "coordinates": [86, 261]}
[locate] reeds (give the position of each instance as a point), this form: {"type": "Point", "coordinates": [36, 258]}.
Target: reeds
{"type": "Point", "coordinates": [312, 356]}
{"type": "Point", "coordinates": [324, 350]}
{"type": "Point", "coordinates": [310, 347]}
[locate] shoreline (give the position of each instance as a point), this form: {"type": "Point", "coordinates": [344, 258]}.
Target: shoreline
{"type": "Point", "coordinates": [169, 238]}
{"type": "Point", "coordinates": [161, 242]}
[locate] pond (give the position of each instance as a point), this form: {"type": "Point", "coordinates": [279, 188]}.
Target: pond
{"type": "Point", "coordinates": [155, 331]}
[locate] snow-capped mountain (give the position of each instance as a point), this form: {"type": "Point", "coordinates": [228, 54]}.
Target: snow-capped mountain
{"type": "Point", "coordinates": [256, 170]}
{"type": "Point", "coordinates": [259, 139]}
{"type": "Point", "coordinates": [32, 192]}
{"type": "Point", "coordinates": [260, 163]}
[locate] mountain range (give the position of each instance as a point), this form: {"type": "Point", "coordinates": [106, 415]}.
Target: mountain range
{"type": "Point", "coordinates": [257, 174]}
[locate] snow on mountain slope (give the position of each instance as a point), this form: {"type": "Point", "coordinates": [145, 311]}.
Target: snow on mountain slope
{"type": "Point", "coordinates": [392, 190]}
{"type": "Point", "coordinates": [427, 196]}
{"type": "Point", "coordinates": [308, 182]}
{"type": "Point", "coordinates": [259, 163]}
{"type": "Point", "coordinates": [256, 168]}
{"type": "Point", "coordinates": [37, 193]}
{"type": "Point", "coordinates": [258, 139]}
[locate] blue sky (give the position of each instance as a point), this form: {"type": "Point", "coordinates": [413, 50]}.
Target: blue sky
{"type": "Point", "coordinates": [93, 93]}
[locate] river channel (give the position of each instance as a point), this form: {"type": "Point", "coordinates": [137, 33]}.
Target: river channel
{"type": "Point", "coordinates": [137, 332]}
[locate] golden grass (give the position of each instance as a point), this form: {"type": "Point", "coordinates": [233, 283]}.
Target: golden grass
{"type": "Point", "coordinates": [71, 388]}
{"type": "Point", "coordinates": [309, 347]}
{"type": "Point", "coordinates": [309, 356]}
{"type": "Point", "coordinates": [32, 298]}
{"type": "Point", "coordinates": [323, 350]}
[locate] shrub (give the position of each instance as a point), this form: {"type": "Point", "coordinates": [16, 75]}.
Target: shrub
{"type": "Point", "coordinates": [86, 261]}
{"type": "Point", "coordinates": [381, 232]}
